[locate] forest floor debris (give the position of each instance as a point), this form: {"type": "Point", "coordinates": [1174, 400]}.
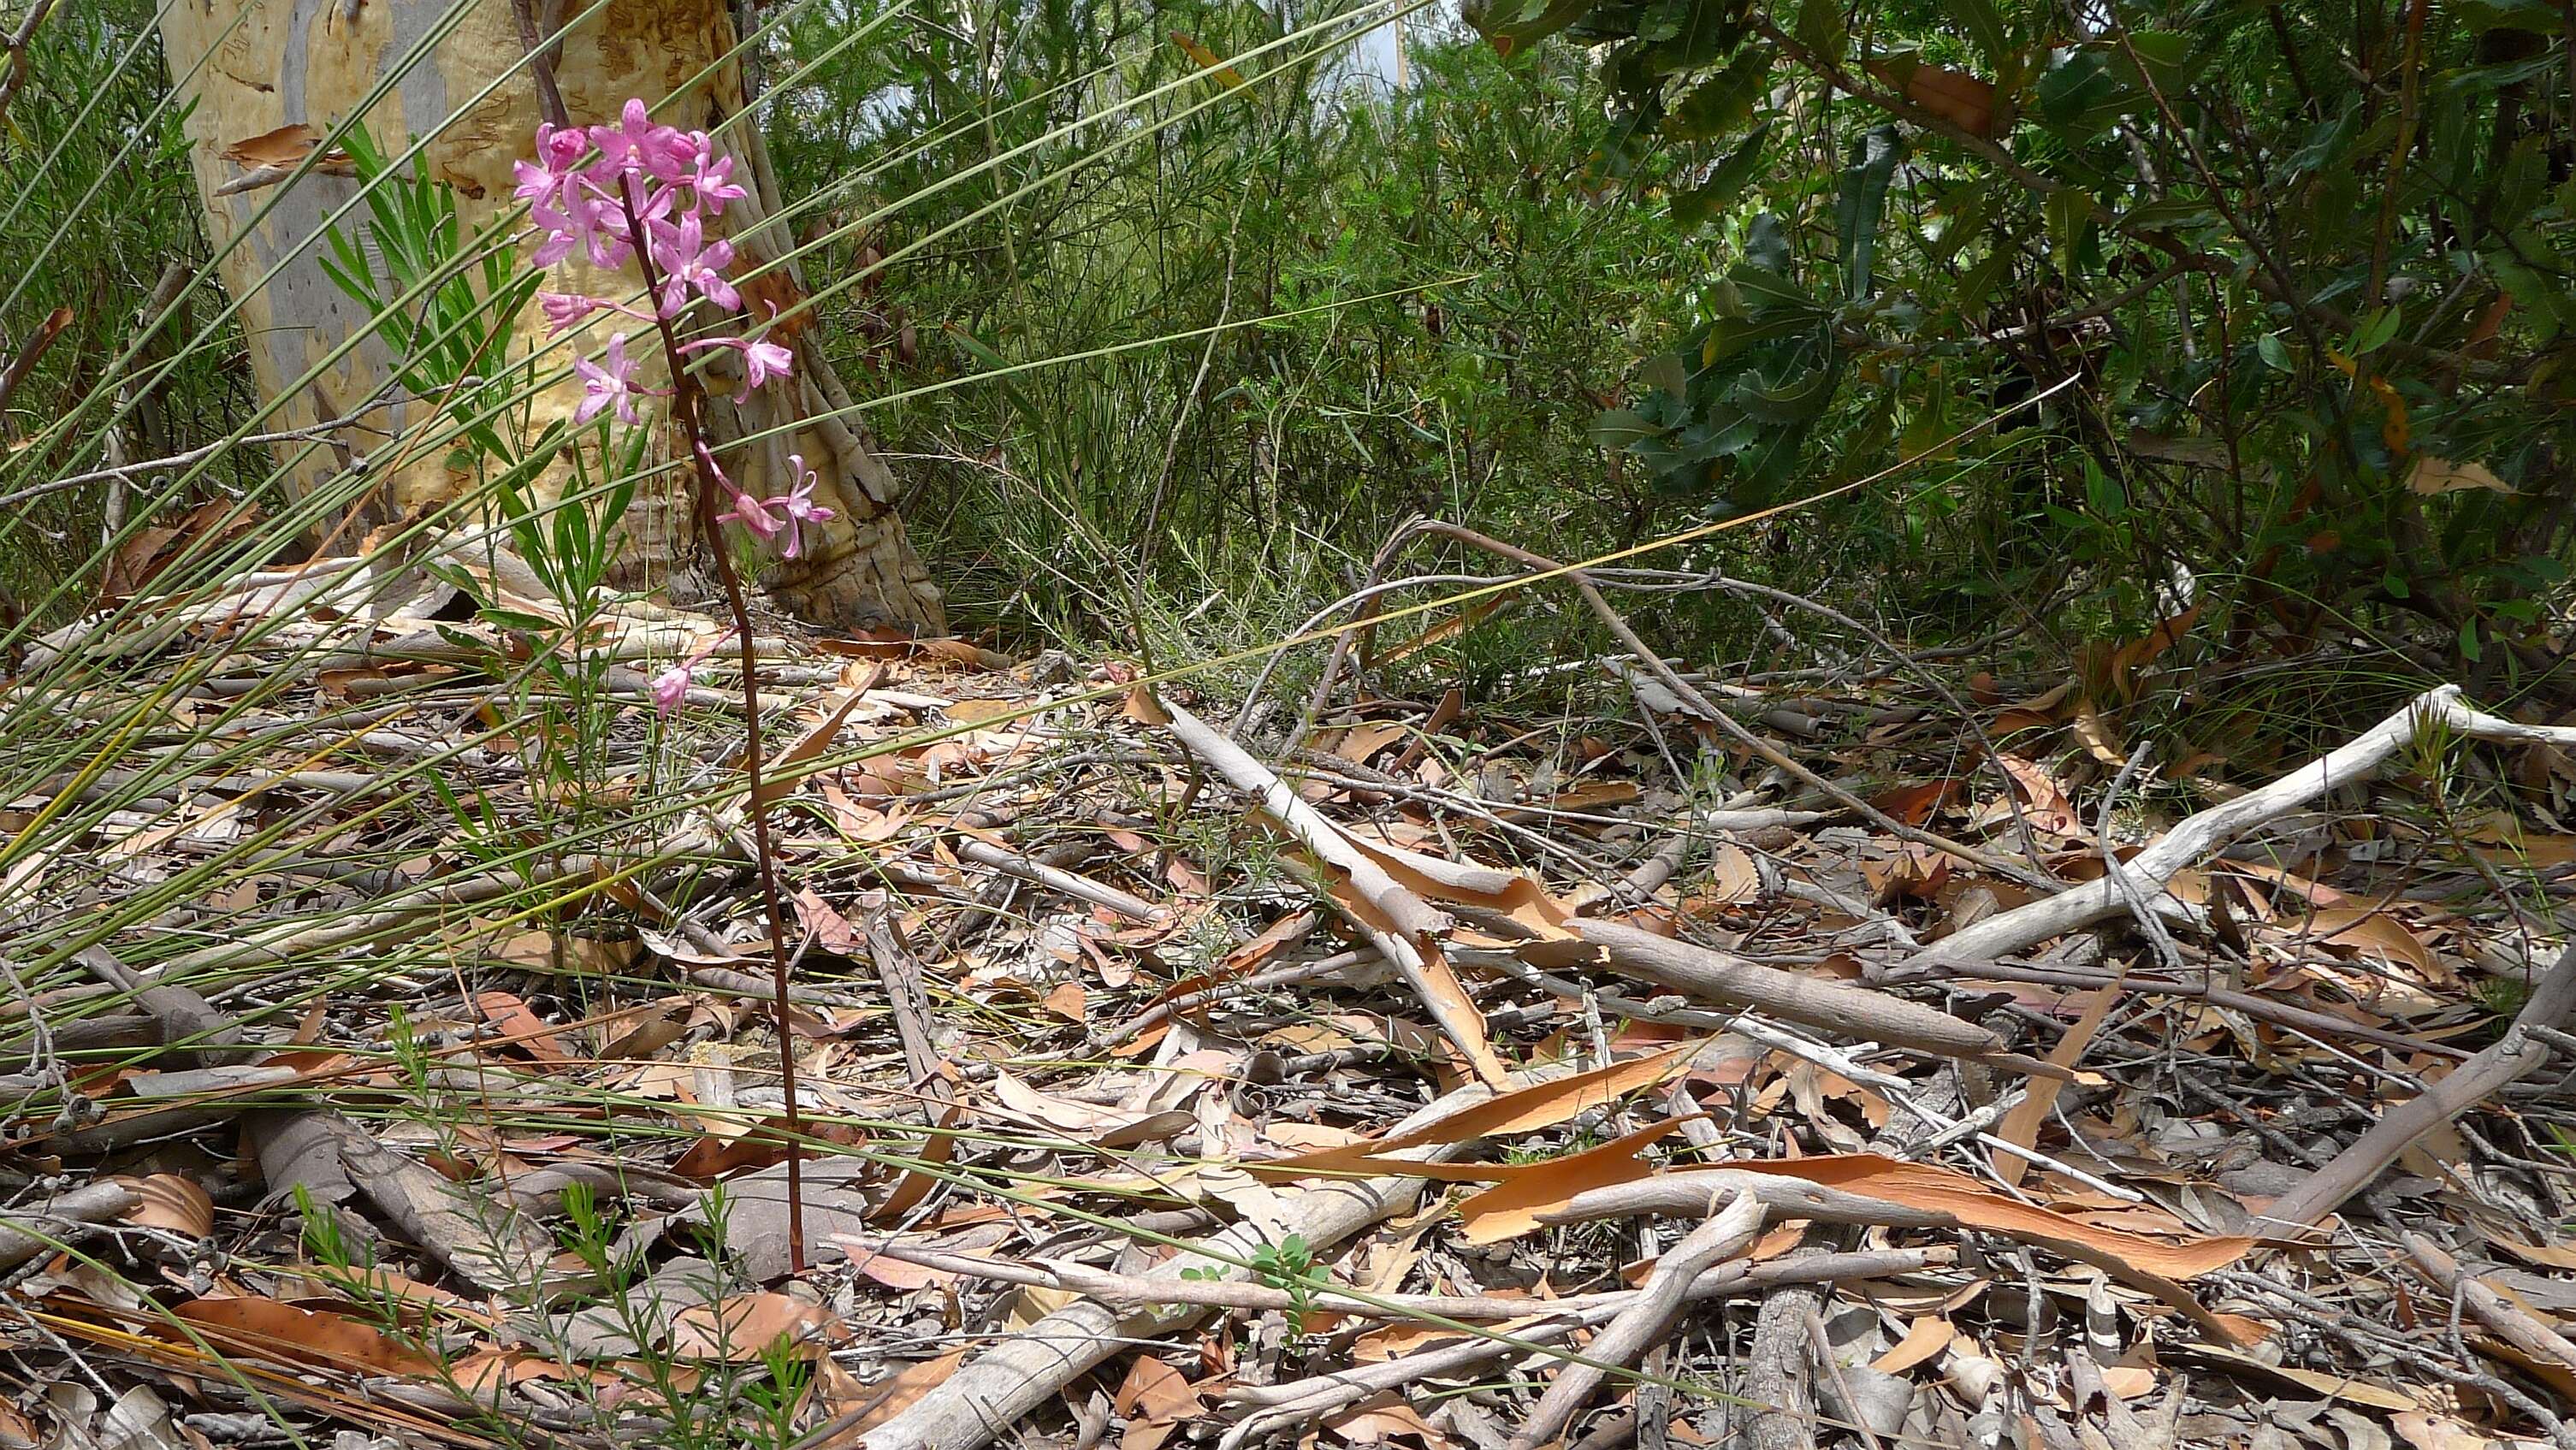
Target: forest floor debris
{"type": "Point", "coordinates": [1441, 1081]}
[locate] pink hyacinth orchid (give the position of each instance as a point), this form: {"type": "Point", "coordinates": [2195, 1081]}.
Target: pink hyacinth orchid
{"type": "Point", "coordinates": [608, 384]}
{"type": "Point", "coordinates": [689, 261]}
{"type": "Point", "coordinates": [799, 505]}
{"type": "Point", "coordinates": [670, 688]}
{"type": "Point", "coordinates": [664, 182]}
{"type": "Point", "coordinates": [566, 310]}
{"type": "Point", "coordinates": [753, 514]}
{"type": "Point", "coordinates": [715, 185]}
{"type": "Point", "coordinates": [762, 361]}
{"type": "Point", "coordinates": [550, 181]}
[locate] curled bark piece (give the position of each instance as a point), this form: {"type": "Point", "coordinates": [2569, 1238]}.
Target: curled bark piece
{"type": "Point", "coordinates": [2519, 1051]}
{"type": "Point", "coordinates": [2212, 830]}
{"type": "Point", "coordinates": [1646, 1320]}
{"type": "Point", "coordinates": [1844, 1010]}
{"type": "Point", "coordinates": [482, 1239]}
{"type": "Point", "coordinates": [1401, 924]}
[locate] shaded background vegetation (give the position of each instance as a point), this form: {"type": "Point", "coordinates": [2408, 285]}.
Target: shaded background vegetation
{"type": "Point", "coordinates": [2267, 299]}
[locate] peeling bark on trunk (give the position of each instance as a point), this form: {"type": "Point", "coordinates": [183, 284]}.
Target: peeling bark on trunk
{"type": "Point", "coordinates": [271, 63]}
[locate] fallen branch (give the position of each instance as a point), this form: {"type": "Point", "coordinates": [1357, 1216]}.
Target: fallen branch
{"type": "Point", "coordinates": [1140, 1290]}
{"type": "Point", "coordinates": [2297, 1019]}
{"type": "Point", "coordinates": [2512, 1324]}
{"type": "Point", "coordinates": [1062, 882]}
{"type": "Point", "coordinates": [1638, 1326]}
{"type": "Point", "coordinates": [1779, 1393]}
{"type": "Point", "coordinates": [1304, 1400]}
{"type": "Point", "coordinates": [1845, 1010]}
{"type": "Point", "coordinates": [2212, 830]}
{"type": "Point", "coordinates": [1698, 1192]}
{"type": "Point", "coordinates": [2519, 1051]}
{"type": "Point", "coordinates": [23, 1237]}
{"type": "Point", "coordinates": [999, 1388]}
{"type": "Point", "coordinates": [1399, 923]}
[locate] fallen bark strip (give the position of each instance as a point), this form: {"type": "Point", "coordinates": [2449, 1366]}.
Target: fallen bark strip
{"type": "Point", "coordinates": [1697, 1192]}
{"type": "Point", "coordinates": [1643, 1322]}
{"type": "Point", "coordinates": [1012, 1379]}
{"type": "Point", "coordinates": [483, 1240]}
{"type": "Point", "coordinates": [2212, 830]}
{"type": "Point", "coordinates": [1409, 924]}
{"type": "Point", "coordinates": [2519, 1051]}
{"type": "Point", "coordinates": [26, 1232]}
{"type": "Point", "coordinates": [1844, 1010]}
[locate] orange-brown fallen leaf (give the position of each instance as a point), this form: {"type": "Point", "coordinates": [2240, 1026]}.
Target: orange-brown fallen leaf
{"type": "Point", "coordinates": [1524, 1110]}
{"type": "Point", "coordinates": [742, 1328]}
{"type": "Point", "coordinates": [893, 1395]}
{"type": "Point", "coordinates": [287, 146]}
{"type": "Point", "coordinates": [284, 1334]}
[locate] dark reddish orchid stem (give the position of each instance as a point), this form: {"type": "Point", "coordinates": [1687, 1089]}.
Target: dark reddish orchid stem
{"type": "Point", "coordinates": [688, 402]}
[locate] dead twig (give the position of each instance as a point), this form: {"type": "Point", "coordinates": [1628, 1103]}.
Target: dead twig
{"type": "Point", "coordinates": [19, 65]}
{"type": "Point", "coordinates": [2510, 1323]}
{"type": "Point", "coordinates": [24, 1232]}
{"type": "Point", "coordinates": [1645, 1320]}
{"type": "Point", "coordinates": [1397, 921]}
{"type": "Point", "coordinates": [2212, 830]}
{"type": "Point", "coordinates": [2471, 1083]}
{"type": "Point", "coordinates": [1735, 729]}
{"type": "Point", "coordinates": [998, 1387]}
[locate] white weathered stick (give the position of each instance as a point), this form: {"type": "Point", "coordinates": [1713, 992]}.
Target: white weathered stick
{"type": "Point", "coordinates": [1715, 1239]}
{"type": "Point", "coordinates": [1411, 923]}
{"type": "Point", "coordinates": [1063, 882]}
{"type": "Point", "coordinates": [999, 1388]}
{"type": "Point", "coordinates": [2214, 829]}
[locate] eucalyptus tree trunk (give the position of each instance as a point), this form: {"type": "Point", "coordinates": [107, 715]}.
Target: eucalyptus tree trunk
{"type": "Point", "coordinates": [254, 66]}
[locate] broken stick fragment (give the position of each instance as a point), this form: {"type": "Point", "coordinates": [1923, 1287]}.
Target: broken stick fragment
{"type": "Point", "coordinates": [2208, 832]}
{"type": "Point", "coordinates": [1399, 923]}
{"type": "Point", "coordinates": [1847, 1011]}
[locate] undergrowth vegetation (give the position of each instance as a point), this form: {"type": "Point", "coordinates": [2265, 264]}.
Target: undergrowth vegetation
{"type": "Point", "coordinates": [1246, 325]}
{"type": "Point", "coordinates": [1990, 404]}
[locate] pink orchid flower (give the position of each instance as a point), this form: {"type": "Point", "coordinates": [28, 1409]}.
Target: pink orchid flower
{"type": "Point", "coordinates": [608, 384]}
{"type": "Point", "coordinates": [800, 506]}
{"type": "Point", "coordinates": [688, 261]}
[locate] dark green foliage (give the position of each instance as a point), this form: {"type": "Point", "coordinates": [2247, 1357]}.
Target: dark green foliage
{"type": "Point", "coordinates": [2306, 265]}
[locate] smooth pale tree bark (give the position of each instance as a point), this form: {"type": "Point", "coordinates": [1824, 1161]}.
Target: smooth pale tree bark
{"type": "Point", "coordinates": [274, 63]}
